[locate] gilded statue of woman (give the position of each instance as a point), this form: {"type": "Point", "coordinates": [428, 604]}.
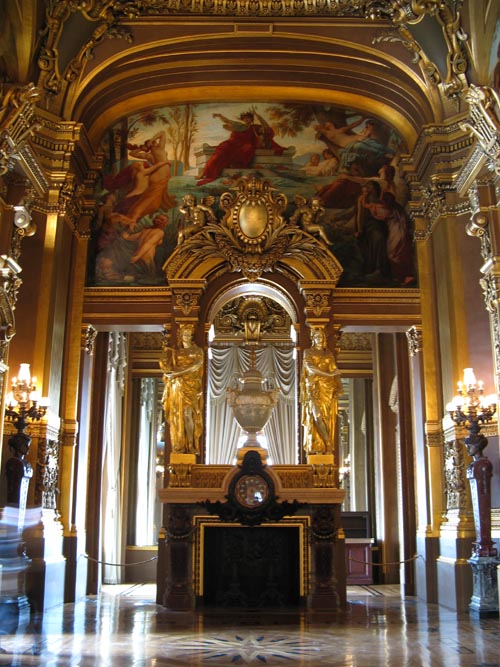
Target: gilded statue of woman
{"type": "Point", "coordinates": [320, 388]}
{"type": "Point", "coordinates": [183, 395]}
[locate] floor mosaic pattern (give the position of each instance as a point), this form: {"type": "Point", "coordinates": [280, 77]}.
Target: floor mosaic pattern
{"type": "Point", "coordinates": [123, 627]}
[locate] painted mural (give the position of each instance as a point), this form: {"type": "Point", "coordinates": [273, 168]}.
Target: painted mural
{"type": "Point", "coordinates": [339, 170]}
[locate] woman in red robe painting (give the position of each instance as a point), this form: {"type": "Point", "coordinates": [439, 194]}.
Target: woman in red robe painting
{"type": "Point", "coordinates": [238, 151]}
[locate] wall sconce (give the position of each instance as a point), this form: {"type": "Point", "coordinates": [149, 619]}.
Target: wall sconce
{"type": "Point", "coordinates": [471, 408]}
{"type": "Point", "coordinates": [23, 401]}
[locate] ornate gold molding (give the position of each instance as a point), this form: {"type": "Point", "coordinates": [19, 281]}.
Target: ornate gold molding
{"type": "Point", "coordinates": [484, 122]}
{"type": "Point", "coordinates": [104, 13]}
{"type": "Point", "coordinates": [17, 126]}
{"type": "Point", "coordinates": [434, 435]}
{"type": "Point", "coordinates": [356, 341]}
{"type": "Point", "coordinates": [446, 12]}
{"type": "Point", "coordinates": [253, 238]}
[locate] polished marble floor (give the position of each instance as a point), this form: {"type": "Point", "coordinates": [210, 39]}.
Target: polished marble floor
{"type": "Point", "coordinates": [123, 627]}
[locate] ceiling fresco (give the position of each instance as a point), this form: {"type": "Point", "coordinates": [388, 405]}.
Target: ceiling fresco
{"type": "Point", "coordinates": [338, 169]}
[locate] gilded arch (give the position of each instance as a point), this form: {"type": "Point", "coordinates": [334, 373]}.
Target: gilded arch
{"type": "Point", "coordinates": [252, 238]}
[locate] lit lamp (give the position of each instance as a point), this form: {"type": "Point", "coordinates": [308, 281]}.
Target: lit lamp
{"type": "Point", "coordinates": [23, 404]}
{"type": "Point", "coordinates": [471, 408]}
{"type": "Point", "coordinates": [23, 401]}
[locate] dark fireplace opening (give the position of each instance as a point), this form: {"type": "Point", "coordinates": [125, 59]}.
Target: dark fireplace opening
{"type": "Point", "coordinates": [251, 567]}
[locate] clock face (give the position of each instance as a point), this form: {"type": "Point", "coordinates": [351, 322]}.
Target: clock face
{"type": "Point", "coordinates": [251, 490]}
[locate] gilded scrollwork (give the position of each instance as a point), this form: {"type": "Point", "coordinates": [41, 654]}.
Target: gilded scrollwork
{"type": "Point", "coordinates": [271, 8]}
{"type": "Point", "coordinates": [318, 302]}
{"type": "Point", "coordinates": [252, 237]}
{"type": "Point", "coordinates": [17, 122]}
{"type": "Point", "coordinates": [478, 226]}
{"type": "Point", "coordinates": [323, 476]}
{"type": "Point", "coordinates": [180, 475]}
{"type": "Point", "coordinates": [447, 14]}
{"type": "Point", "coordinates": [104, 13]}
{"type": "Point", "coordinates": [484, 122]}
{"type": "Point", "coordinates": [71, 201]}
{"type": "Point", "coordinates": [186, 300]}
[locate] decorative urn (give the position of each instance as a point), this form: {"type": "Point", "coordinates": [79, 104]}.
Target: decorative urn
{"type": "Point", "coordinates": [252, 404]}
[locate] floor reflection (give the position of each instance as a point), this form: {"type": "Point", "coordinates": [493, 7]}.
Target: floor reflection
{"type": "Point", "coordinates": [124, 627]}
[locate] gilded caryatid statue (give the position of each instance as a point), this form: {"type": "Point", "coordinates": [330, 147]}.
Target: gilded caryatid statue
{"type": "Point", "coordinates": [320, 388]}
{"type": "Point", "coordinates": [183, 395]}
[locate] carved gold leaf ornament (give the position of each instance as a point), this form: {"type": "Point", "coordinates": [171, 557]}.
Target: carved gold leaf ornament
{"type": "Point", "coordinates": [484, 122]}
{"type": "Point", "coordinates": [253, 221]}
{"type": "Point", "coordinates": [252, 235]}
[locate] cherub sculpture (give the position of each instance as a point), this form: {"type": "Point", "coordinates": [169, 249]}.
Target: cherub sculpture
{"type": "Point", "coordinates": [308, 214]}
{"type": "Point", "coordinates": [195, 216]}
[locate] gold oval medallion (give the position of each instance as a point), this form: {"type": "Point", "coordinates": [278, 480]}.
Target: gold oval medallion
{"type": "Point", "coordinates": [253, 220]}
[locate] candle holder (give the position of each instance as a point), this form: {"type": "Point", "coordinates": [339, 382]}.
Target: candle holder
{"type": "Point", "coordinates": [471, 409]}
{"type": "Point", "coordinates": [24, 404]}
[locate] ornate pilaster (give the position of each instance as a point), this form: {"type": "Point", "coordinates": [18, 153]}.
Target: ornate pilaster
{"type": "Point", "coordinates": [483, 225]}
{"type": "Point", "coordinates": [17, 161]}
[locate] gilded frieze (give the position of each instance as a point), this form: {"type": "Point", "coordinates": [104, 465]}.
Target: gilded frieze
{"type": "Point", "coordinates": [295, 477]}
{"type": "Point", "coordinates": [355, 341]}
{"type": "Point", "coordinates": [208, 477]}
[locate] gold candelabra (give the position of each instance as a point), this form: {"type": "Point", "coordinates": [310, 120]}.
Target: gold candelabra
{"type": "Point", "coordinates": [24, 402]}
{"type": "Point", "coordinates": [471, 408]}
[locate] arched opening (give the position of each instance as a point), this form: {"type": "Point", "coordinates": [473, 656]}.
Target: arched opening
{"type": "Point", "coordinates": [252, 324]}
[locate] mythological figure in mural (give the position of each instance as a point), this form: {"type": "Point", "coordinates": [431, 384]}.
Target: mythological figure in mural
{"type": "Point", "coordinates": [144, 181]}
{"type": "Point", "coordinates": [320, 389]}
{"type": "Point", "coordinates": [372, 231]}
{"type": "Point", "coordinates": [183, 395]}
{"type": "Point", "coordinates": [325, 164]}
{"type": "Point", "coordinates": [238, 150]}
{"type": "Point", "coordinates": [148, 239]}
